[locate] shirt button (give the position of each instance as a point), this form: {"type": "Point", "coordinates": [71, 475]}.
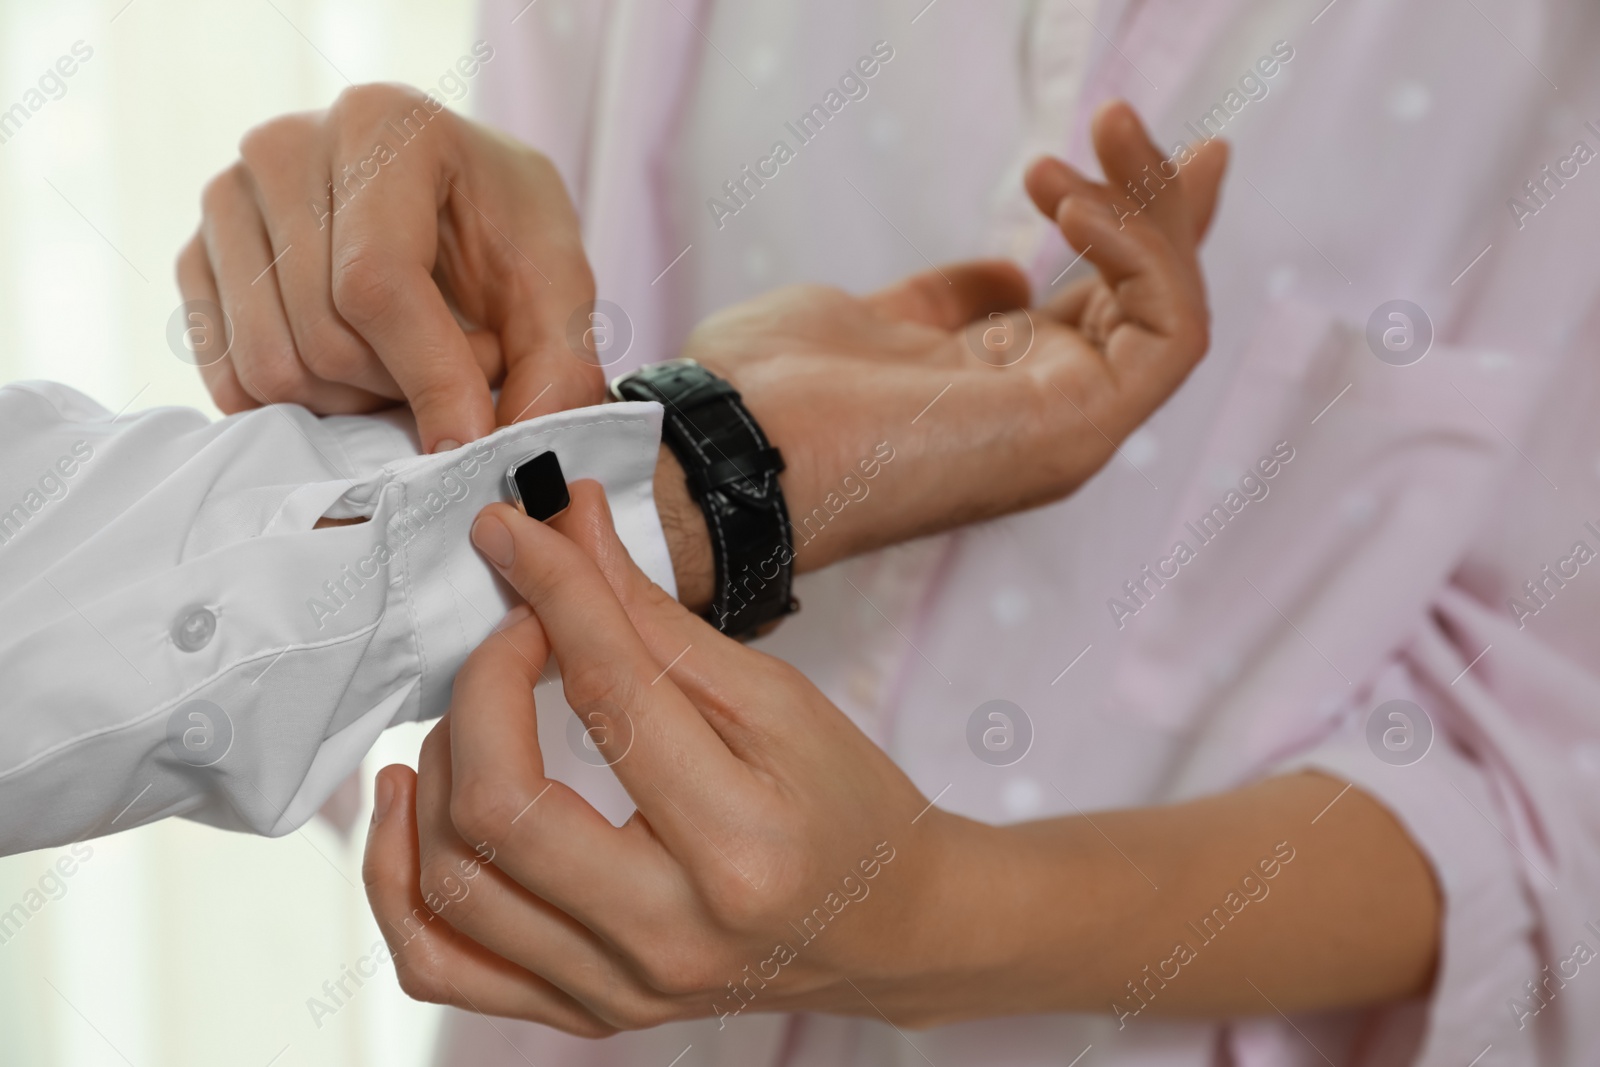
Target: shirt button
{"type": "Point", "coordinates": [194, 631]}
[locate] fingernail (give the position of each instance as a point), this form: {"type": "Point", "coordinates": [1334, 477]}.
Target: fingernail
{"type": "Point", "coordinates": [494, 541]}
{"type": "Point", "coordinates": [514, 616]}
{"type": "Point", "coordinates": [447, 445]}
{"type": "Point", "coordinates": [383, 795]}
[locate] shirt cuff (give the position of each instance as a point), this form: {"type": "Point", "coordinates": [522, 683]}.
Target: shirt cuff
{"type": "Point", "coordinates": [414, 576]}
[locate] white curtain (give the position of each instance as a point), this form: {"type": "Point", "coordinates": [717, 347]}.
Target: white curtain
{"type": "Point", "coordinates": [177, 944]}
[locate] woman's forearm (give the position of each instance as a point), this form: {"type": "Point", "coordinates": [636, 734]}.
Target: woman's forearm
{"type": "Point", "coordinates": [1262, 900]}
{"type": "Point", "coordinates": [1292, 894]}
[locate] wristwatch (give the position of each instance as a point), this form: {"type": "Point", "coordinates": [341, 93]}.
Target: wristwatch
{"type": "Point", "coordinates": [733, 475]}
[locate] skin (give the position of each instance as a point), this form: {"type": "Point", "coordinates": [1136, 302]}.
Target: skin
{"type": "Point", "coordinates": [830, 376]}
{"type": "Point", "coordinates": [502, 891]}
{"type": "Point", "coordinates": [351, 305]}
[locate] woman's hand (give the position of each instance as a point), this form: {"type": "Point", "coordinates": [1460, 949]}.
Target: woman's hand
{"type": "Point", "coordinates": [986, 407]}
{"type": "Point", "coordinates": [348, 246]}
{"type": "Point", "coordinates": [778, 859]}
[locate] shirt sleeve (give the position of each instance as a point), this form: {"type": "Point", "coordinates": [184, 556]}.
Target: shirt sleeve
{"type": "Point", "coordinates": [177, 639]}
{"type": "Point", "coordinates": [1489, 764]}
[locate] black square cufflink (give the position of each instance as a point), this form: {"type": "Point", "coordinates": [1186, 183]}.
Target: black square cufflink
{"type": "Point", "coordinates": [538, 486]}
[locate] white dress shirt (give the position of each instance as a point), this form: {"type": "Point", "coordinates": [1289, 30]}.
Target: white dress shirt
{"type": "Point", "coordinates": [177, 639]}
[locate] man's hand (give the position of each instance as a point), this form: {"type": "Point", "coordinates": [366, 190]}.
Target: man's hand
{"type": "Point", "coordinates": [987, 408]}
{"type": "Point", "coordinates": [383, 250]}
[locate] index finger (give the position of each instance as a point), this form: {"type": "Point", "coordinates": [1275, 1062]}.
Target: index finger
{"type": "Point", "coordinates": [677, 770]}
{"type": "Point", "coordinates": [385, 240]}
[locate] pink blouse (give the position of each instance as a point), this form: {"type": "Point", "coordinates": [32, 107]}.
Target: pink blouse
{"type": "Point", "coordinates": [1428, 533]}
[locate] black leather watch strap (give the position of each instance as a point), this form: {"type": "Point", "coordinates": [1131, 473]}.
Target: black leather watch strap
{"type": "Point", "coordinates": [732, 472]}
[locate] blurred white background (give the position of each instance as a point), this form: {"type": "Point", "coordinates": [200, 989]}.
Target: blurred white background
{"type": "Point", "coordinates": [176, 944]}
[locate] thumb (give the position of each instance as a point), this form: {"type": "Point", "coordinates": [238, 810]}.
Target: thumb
{"type": "Point", "coordinates": [556, 350]}
{"type": "Point", "coordinates": [547, 382]}
{"type": "Point", "coordinates": [950, 297]}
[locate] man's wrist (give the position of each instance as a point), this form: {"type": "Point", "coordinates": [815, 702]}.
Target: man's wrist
{"type": "Point", "coordinates": [792, 426]}
{"type": "Point", "coordinates": [683, 519]}
{"type": "Point", "coordinates": [683, 524]}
